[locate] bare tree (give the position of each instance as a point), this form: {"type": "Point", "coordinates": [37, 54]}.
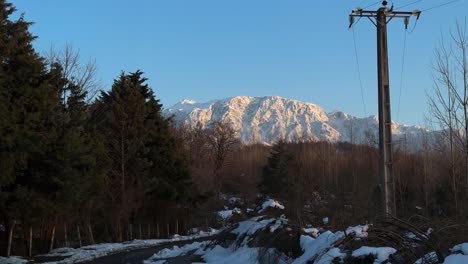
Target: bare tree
{"type": "Point", "coordinates": [449, 102]}
{"type": "Point", "coordinates": [223, 140]}
{"type": "Point", "coordinates": [83, 75]}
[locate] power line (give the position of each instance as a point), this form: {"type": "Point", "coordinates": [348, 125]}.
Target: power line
{"type": "Point", "coordinates": [372, 4]}
{"type": "Point", "coordinates": [354, 25]}
{"type": "Point", "coordinates": [412, 3]}
{"type": "Point", "coordinates": [401, 74]}
{"type": "Point", "coordinates": [437, 6]}
{"type": "Point", "coordinates": [414, 26]}
{"type": "Point", "coordinates": [359, 72]}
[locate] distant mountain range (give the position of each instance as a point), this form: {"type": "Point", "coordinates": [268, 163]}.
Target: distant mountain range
{"type": "Point", "coordinates": [271, 118]}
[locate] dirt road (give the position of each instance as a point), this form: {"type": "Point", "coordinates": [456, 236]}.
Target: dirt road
{"type": "Point", "coordinates": [139, 255]}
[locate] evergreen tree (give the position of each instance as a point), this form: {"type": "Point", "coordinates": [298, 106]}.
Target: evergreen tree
{"type": "Point", "coordinates": [139, 144]}
{"type": "Point", "coordinates": [278, 174]}
{"type": "Point", "coordinates": [27, 137]}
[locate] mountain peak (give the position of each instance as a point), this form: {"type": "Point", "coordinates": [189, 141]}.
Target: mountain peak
{"type": "Point", "coordinates": [187, 102]}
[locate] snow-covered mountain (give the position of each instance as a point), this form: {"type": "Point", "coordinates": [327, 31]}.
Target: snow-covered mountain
{"type": "Point", "coordinates": [270, 118]}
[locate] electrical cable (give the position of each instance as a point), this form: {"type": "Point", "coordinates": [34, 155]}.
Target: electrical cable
{"type": "Point", "coordinates": [437, 6]}
{"type": "Point", "coordinates": [359, 72]}
{"type": "Point", "coordinates": [414, 26]}
{"type": "Point", "coordinates": [401, 74]}
{"type": "Point", "coordinates": [412, 3]}
{"type": "Point", "coordinates": [354, 25]}
{"type": "Point", "coordinates": [372, 4]}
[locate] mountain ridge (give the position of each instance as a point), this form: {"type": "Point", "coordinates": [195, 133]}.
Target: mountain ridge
{"type": "Point", "coordinates": [267, 119]}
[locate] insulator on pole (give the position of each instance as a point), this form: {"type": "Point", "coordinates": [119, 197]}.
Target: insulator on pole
{"type": "Point", "coordinates": [351, 21]}
{"type": "Point", "coordinates": [406, 21]}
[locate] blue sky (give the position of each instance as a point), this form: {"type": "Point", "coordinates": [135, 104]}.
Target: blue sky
{"type": "Point", "coordinates": [210, 49]}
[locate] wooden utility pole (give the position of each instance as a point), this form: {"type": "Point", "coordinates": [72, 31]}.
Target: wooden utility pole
{"type": "Point", "coordinates": [380, 19]}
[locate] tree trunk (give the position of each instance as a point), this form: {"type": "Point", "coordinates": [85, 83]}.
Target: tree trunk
{"type": "Point", "coordinates": [90, 233]}
{"type": "Point", "coordinates": [140, 231]}
{"type": "Point", "coordinates": [65, 237]}
{"type": "Point", "coordinates": [52, 239]}
{"type": "Point", "coordinates": [157, 230]}
{"type": "Point", "coordinates": [30, 241]}
{"type": "Point", "coordinates": [10, 238]}
{"type": "Point", "coordinates": [130, 231]}
{"type": "Point", "coordinates": [79, 236]}
{"type": "Point", "coordinates": [168, 231]}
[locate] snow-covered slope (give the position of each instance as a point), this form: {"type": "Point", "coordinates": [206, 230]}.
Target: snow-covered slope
{"type": "Point", "coordinates": [271, 118]}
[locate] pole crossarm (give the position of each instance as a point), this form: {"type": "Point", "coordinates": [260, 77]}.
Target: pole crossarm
{"type": "Point", "coordinates": [388, 12]}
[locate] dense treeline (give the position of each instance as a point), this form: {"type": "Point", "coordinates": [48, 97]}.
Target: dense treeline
{"type": "Point", "coordinates": [101, 165]}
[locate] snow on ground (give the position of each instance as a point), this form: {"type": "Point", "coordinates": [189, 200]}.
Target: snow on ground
{"type": "Point", "coordinates": [175, 251]}
{"type": "Point", "coordinates": [88, 253]}
{"type": "Point", "coordinates": [430, 257]}
{"type": "Point", "coordinates": [214, 254]}
{"type": "Point", "coordinates": [226, 214]}
{"type": "Point", "coordinates": [318, 247]}
{"type": "Point", "coordinates": [12, 260]}
{"type": "Point", "coordinates": [227, 255]}
{"type": "Point", "coordinates": [252, 225]}
{"type": "Point", "coordinates": [381, 254]}
{"type": "Point", "coordinates": [461, 247]}
{"type": "Point", "coordinates": [235, 253]}
{"type": "Point", "coordinates": [311, 231]}
{"type": "Point", "coordinates": [280, 222]}
{"type": "Point", "coordinates": [456, 259]}
{"type": "Point", "coordinates": [359, 231]}
{"type": "Point", "coordinates": [270, 203]}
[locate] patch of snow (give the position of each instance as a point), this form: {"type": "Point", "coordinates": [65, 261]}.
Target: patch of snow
{"type": "Point", "coordinates": [175, 251]}
{"type": "Point", "coordinates": [270, 203]}
{"type": "Point", "coordinates": [381, 253]}
{"type": "Point", "coordinates": [311, 231]}
{"type": "Point", "coordinates": [456, 259]}
{"type": "Point", "coordinates": [316, 247]}
{"type": "Point", "coordinates": [325, 220]}
{"type": "Point", "coordinates": [461, 247]}
{"type": "Point", "coordinates": [359, 231]}
{"type": "Point", "coordinates": [430, 257]}
{"type": "Point", "coordinates": [252, 225]}
{"type": "Point", "coordinates": [429, 232]}
{"type": "Point", "coordinates": [226, 214]}
{"type": "Point", "coordinates": [282, 220]}
{"type": "Point", "coordinates": [223, 255]}
{"type": "Point", "coordinates": [12, 260]}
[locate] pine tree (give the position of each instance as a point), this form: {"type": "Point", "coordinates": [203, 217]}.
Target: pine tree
{"type": "Point", "coordinates": [124, 123]}
{"type": "Point", "coordinates": [278, 174]}
{"type": "Point", "coordinates": [27, 137]}
{"type": "Point", "coordinates": [144, 159]}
